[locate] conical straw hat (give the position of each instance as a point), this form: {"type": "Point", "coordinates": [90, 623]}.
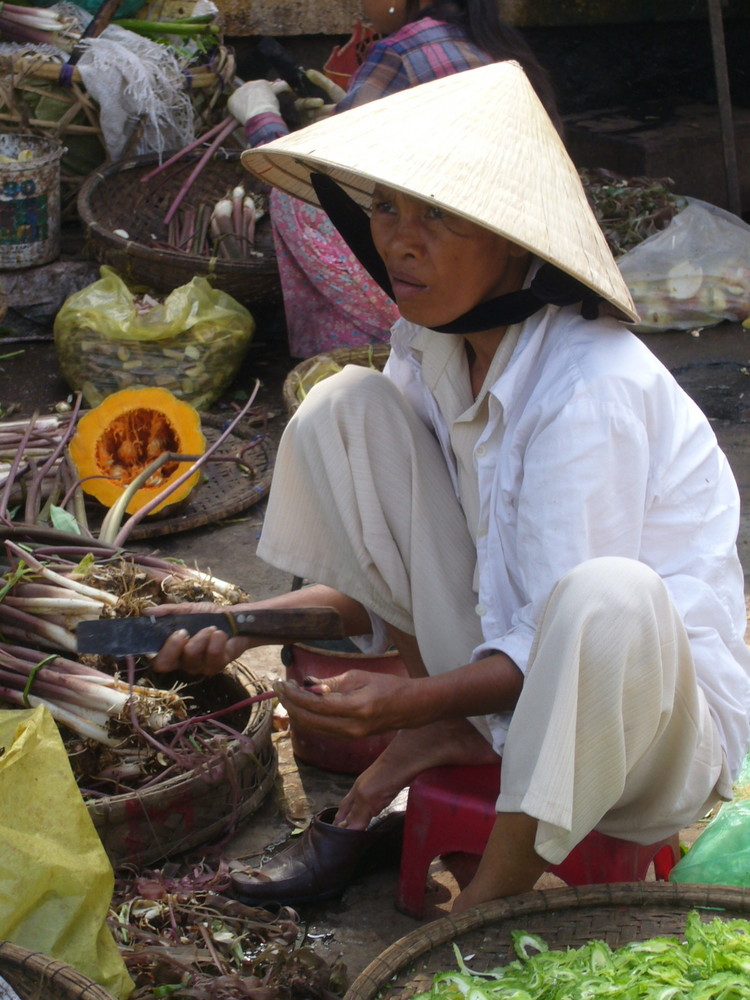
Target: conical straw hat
{"type": "Point", "coordinates": [478, 144]}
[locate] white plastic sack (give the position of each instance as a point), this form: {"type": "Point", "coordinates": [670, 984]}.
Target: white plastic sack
{"type": "Point", "coordinates": [694, 273]}
{"type": "Point", "coordinates": [138, 84]}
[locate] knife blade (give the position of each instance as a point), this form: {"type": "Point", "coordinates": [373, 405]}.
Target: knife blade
{"type": "Point", "coordinates": [148, 633]}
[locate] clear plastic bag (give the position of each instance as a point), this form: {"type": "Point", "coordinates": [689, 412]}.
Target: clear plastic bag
{"type": "Point", "coordinates": [694, 273]}
{"type": "Point", "coordinates": [192, 343]}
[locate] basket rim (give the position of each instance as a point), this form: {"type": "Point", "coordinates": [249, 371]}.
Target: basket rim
{"type": "Point", "coordinates": [49, 970]}
{"type": "Point", "coordinates": [362, 354]}
{"type": "Point", "coordinates": [259, 727]}
{"type": "Point", "coordinates": [212, 265]}
{"type": "Point", "coordinates": [664, 895]}
{"type": "Point", "coordinates": [338, 654]}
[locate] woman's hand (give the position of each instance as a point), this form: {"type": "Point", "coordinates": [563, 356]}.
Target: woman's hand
{"type": "Point", "coordinates": [352, 705]}
{"type": "Point", "coordinates": [206, 652]}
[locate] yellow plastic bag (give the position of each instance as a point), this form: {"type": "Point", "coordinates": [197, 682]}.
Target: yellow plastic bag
{"type": "Point", "coordinates": [56, 880]}
{"type": "Point", "coordinates": [192, 343]}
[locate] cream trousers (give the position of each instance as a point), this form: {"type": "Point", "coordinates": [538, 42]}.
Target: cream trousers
{"type": "Point", "coordinates": [611, 730]}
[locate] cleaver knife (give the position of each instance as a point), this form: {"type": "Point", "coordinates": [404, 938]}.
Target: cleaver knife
{"type": "Point", "coordinates": [148, 633]}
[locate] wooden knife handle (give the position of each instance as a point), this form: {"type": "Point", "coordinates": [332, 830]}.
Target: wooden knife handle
{"type": "Point", "coordinates": [291, 623]}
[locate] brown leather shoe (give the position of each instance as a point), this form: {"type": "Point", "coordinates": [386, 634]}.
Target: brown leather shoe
{"type": "Point", "coordinates": [320, 863]}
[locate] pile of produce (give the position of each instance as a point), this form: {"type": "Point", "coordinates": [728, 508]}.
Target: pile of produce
{"type": "Point", "coordinates": [629, 209]}
{"type": "Point", "coordinates": [177, 928]}
{"type": "Point", "coordinates": [40, 25]}
{"type": "Point", "coordinates": [144, 443]}
{"type": "Point", "coordinates": [109, 338]}
{"type": "Point", "coordinates": [307, 374]}
{"type": "Point", "coordinates": [225, 227]}
{"type": "Point", "coordinates": [121, 729]}
{"type": "Point", "coordinates": [56, 26]}
{"type": "Point", "coordinates": [24, 155]}
{"type": "Point", "coordinates": [710, 963]}
{"type": "Point", "coordinates": [181, 936]}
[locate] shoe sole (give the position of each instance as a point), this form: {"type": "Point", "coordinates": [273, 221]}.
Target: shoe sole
{"type": "Point", "coordinates": [319, 897]}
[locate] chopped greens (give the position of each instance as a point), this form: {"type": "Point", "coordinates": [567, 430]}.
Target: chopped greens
{"type": "Point", "coordinates": [710, 962]}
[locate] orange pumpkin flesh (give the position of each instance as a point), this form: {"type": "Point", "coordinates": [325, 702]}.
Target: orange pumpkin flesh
{"type": "Point", "coordinates": [118, 439]}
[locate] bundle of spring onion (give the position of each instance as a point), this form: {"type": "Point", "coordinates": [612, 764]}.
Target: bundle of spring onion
{"type": "Point", "coordinates": [120, 735]}
{"type": "Point", "coordinates": [41, 602]}
{"type": "Point", "coordinates": [82, 698]}
{"type": "Point", "coordinates": [225, 229]}
{"type": "Point", "coordinates": [32, 464]}
{"type": "Point", "coordinates": [33, 24]}
{"type": "Point", "coordinates": [709, 963]}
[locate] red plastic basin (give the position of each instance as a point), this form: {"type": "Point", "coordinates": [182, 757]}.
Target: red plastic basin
{"type": "Point", "coordinates": [327, 660]}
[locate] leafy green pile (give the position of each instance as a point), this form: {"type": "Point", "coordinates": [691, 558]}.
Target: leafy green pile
{"type": "Point", "coordinates": [629, 209]}
{"type": "Point", "coordinates": [711, 963]}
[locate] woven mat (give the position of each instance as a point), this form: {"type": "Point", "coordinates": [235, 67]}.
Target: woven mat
{"type": "Point", "coordinates": [567, 917]}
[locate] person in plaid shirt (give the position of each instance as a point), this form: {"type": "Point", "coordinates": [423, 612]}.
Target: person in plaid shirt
{"type": "Point", "coordinates": [329, 299]}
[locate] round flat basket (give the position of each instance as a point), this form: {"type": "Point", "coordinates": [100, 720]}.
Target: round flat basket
{"type": "Point", "coordinates": [113, 198]}
{"type": "Point", "coordinates": [230, 486]}
{"type": "Point", "coordinates": [564, 918]}
{"type": "Point", "coordinates": [372, 356]}
{"type": "Point", "coordinates": [204, 804]}
{"type": "Point", "coordinates": [35, 977]}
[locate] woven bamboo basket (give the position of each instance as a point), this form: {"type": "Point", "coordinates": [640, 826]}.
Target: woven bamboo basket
{"type": "Point", "coordinates": [113, 198]}
{"type": "Point", "coordinates": [33, 102]}
{"type": "Point", "coordinates": [35, 977]}
{"type": "Point", "coordinates": [203, 805]}
{"type": "Point", "coordinates": [373, 356]}
{"type": "Point", "coordinates": [565, 918]}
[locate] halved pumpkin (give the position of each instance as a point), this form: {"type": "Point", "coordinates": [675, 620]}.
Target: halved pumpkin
{"type": "Point", "coordinates": [124, 434]}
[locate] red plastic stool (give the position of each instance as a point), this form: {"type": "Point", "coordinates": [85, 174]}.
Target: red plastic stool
{"type": "Point", "coordinates": [453, 809]}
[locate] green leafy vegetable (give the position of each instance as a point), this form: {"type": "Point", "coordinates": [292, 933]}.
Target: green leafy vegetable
{"type": "Point", "coordinates": [711, 962]}
{"type": "Point", "coordinates": [63, 520]}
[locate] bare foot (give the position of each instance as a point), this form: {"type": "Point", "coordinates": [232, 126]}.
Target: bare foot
{"type": "Point", "coordinates": [410, 752]}
{"type": "Point", "coordinates": [509, 865]}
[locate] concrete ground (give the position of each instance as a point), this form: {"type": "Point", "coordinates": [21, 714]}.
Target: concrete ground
{"type": "Point", "coordinates": [713, 367]}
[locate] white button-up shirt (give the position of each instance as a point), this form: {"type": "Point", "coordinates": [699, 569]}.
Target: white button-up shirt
{"type": "Point", "coordinates": [591, 449]}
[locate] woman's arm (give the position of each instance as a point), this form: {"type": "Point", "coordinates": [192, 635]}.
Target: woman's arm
{"type": "Point", "coordinates": [360, 703]}
{"type": "Point", "coordinates": [255, 105]}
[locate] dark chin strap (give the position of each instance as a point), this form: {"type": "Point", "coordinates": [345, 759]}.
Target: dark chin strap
{"type": "Point", "coordinates": [549, 286]}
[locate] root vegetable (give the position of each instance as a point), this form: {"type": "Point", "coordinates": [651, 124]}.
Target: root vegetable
{"type": "Point", "coordinates": [684, 280]}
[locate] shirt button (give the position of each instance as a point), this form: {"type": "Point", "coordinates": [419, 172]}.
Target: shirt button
{"type": "Point", "coordinates": [481, 609]}
{"type": "Point", "coordinates": [480, 451]}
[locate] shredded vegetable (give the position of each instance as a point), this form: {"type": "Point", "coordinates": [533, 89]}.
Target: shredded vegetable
{"type": "Point", "coordinates": [710, 962]}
